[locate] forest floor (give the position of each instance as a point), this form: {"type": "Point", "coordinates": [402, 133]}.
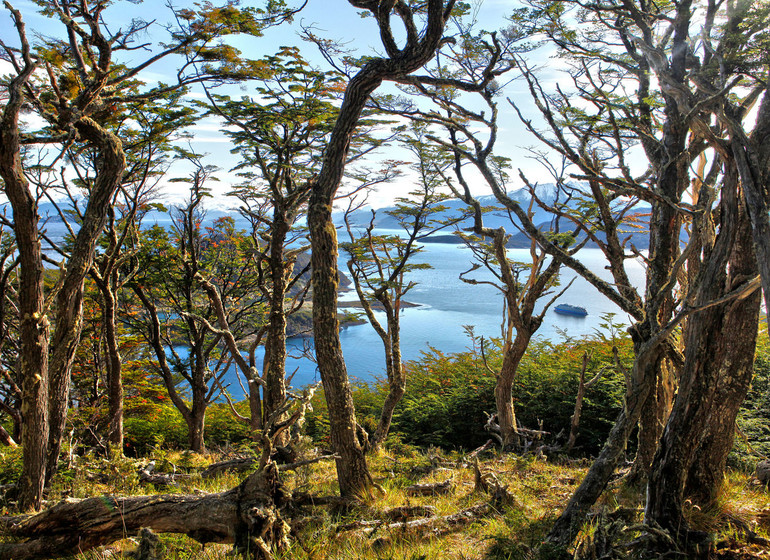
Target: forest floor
{"type": "Point", "coordinates": [512, 528]}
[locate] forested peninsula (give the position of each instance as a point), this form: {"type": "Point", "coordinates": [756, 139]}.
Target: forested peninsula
{"type": "Point", "coordinates": [153, 296]}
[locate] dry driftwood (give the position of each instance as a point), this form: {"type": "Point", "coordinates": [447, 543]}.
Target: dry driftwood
{"type": "Point", "coordinates": [436, 526]}
{"type": "Point", "coordinates": [161, 479]}
{"type": "Point", "coordinates": [394, 515]}
{"type": "Point", "coordinates": [476, 452]}
{"type": "Point", "coordinates": [247, 515]}
{"type": "Point", "coordinates": [435, 489]}
{"type": "Point", "coordinates": [488, 483]}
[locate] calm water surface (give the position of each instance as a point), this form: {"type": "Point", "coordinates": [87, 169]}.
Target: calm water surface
{"type": "Point", "coordinates": [446, 305]}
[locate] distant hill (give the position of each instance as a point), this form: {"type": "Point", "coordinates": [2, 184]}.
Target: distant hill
{"type": "Point", "coordinates": [497, 216]}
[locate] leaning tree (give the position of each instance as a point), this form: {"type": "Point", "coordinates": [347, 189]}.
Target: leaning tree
{"type": "Point", "coordinates": [417, 47]}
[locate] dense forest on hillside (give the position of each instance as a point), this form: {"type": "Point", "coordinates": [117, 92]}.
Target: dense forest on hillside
{"type": "Point", "coordinates": [145, 390]}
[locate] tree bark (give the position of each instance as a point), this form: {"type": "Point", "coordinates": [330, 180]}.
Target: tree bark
{"type": "Point", "coordinates": [506, 414]}
{"type": "Point", "coordinates": [653, 420]}
{"type": "Point", "coordinates": [352, 472]}
{"type": "Point", "coordinates": [706, 473]}
{"type": "Point", "coordinates": [752, 156]}
{"type": "Point", "coordinates": [114, 369]}
{"type": "Point", "coordinates": [111, 164]}
{"type": "Point", "coordinates": [275, 341]}
{"type": "Point", "coordinates": [34, 326]}
{"type": "Point", "coordinates": [705, 351]}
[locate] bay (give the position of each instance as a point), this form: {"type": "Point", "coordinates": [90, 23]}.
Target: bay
{"type": "Point", "coordinates": [445, 305]}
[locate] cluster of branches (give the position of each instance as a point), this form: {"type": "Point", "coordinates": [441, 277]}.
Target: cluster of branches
{"type": "Point", "coordinates": [664, 125]}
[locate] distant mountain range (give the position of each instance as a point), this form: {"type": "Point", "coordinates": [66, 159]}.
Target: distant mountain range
{"type": "Point", "coordinates": [497, 216]}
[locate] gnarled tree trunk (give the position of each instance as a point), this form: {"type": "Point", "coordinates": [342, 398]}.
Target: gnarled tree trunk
{"type": "Point", "coordinates": [353, 475]}
{"type": "Point", "coordinates": [248, 516]}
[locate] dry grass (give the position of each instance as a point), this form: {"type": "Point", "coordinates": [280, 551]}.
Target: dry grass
{"type": "Point", "coordinates": [513, 532]}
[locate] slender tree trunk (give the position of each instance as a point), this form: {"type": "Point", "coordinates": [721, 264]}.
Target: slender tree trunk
{"type": "Point", "coordinates": [114, 371]}
{"type": "Point", "coordinates": [255, 409]}
{"type": "Point", "coordinates": [506, 414]}
{"type": "Point", "coordinates": [196, 426]}
{"type": "Point", "coordinates": [653, 420]}
{"type": "Point", "coordinates": [111, 164]}
{"type": "Point", "coordinates": [275, 342]}
{"type": "Point", "coordinates": [574, 422]}
{"type": "Point", "coordinates": [640, 384]}
{"type": "Point", "coordinates": [395, 372]}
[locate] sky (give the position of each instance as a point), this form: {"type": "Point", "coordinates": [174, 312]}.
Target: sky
{"type": "Point", "coordinates": [334, 19]}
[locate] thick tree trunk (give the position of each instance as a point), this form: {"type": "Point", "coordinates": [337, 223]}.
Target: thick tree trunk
{"type": "Point", "coordinates": [33, 328]}
{"type": "Point", "coordinates": [741, 321]}
{"type": "Point", "coordinates": [705, 351]}
{"type": "Point", "coordinates": [752, 156]}
{"type": "Point", "coordinates": [352, 472]}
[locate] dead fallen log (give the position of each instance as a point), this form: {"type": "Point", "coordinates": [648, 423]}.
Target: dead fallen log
{"type": "Point", "coordinates": [488, 483]}
{"type": "Point", "coordinates": [247, 515]}
{"type": "Point", "coordinates": [305, 462]}
{"type": "Point", "coordinates": [434, 526]}
{"type": "Point", "coordinates": [240, 464]}
{"type": "Point", "coordinates": [162, 479]}
{"type": "Point", "coordinates": [435, 489]}
{"type": "Point", "coordinates": [305, 499]}
{"type": "Point", "coordinates": [398, 514]}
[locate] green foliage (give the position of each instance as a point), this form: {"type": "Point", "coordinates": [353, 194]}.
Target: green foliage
{"type": "Point", "coordinates": [10, 464]}
{"type": "Point", "coordinates": [162, 426]}
{"type": "Point", "coordinates": [447, 395]}
{"type": "Point", "coordinates": [752, 443]}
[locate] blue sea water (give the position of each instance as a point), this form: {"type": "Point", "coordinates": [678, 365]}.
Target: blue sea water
{"type": "Point", "coordinates": [445, 305]}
